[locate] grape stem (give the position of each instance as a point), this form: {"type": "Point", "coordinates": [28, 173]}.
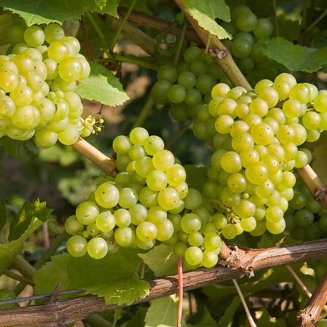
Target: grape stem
{"type": "Point", "coordinates": [101, 160]}
{"type": "Point", "coordinates": [68, 311]}
{"type": "Point", "coordinates": [247, 311]}
{"type": "Point", "coordinates": [180, 291]}
{"type": "Point", "coordinates": [221, 54]}
{"type": "Point", "coordinates": [298, 280]}
{"type": "Point", "coordinates": [309, 316]}
{"type": "Point", "coordinates": [157, 23]}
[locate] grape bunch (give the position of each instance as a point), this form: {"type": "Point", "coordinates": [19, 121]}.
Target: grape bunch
{"type": "Point", "coordinates": [187, 86]}
{"type": "Point", "coordinates": [305, 218]}
{"type": "Point", "coordinates": [37, 83]}
{"type": "Point", "coordinates": [250, 36]}
{"type": "Point", "coordinates": [257, 137]}
{"type": "Point", "coordinates": [147, 202]}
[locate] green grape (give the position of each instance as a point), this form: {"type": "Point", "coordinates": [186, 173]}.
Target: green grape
{"type": "Point", "coordinates": [249, 224]}
{"type": "Point", "coordinates": [205, 83]}
{"type": "Point", "coordinates": [58, 50]}
{"type": "Point", "coordinates": [124, 236]}
{"type": "Point", "coordinates": [163, 160]}
{"type": "Point", "coordinates": [210, 259]}
{"type": "Point", "coordinates": [73, 226]}
{"type": "Point", "coordinates": [153, 144]}
{"type": "Point", "coordinates": [148, 197]}
{"type": "Point", "coordinates": [167, 73]}
{"type": "Point", "coordinates": [193, 255]}
{"type": "Point", "coordinates": [69, 136]}
{"type": "Point", "coordinates": [263, 28]}
{"type": "Point", "coordinates": [159, 91]}
{"type": "Point", "coordinates": [229, 231]}
{"type": "Point", "coordinates": [168, 198]}
{"type": "Point", "coordinates": [122, 217]}
{"type": "Point", "coordinates": [97, 248]}
{"type": "Point", "coordinates": [274, 214]}
{"type": "Point", "coordinates": [27, 117]}
{"type": "Point", "coordinates": [187, 79]}
{"type": "Point", "coordinates": [262, 134]}
{"type": "Point", "coordinates": [70, 69]}
{"type": "Point", "coordinates": [212, 241]}
{"type": "Point", "coordinates": [249, 156]}
{"type": "Point", "coordinates": [176, 93]}
{"type": "Point", "coordinates": [236, 183]}
{"type": "Point", "coordinates": [8, 80]}
{"type": "Point", "coordinates": [105, 221]}
{"type": "Point", "coordinates": [53, 32]}
{"type": "Point", "coordinates": [191, 53]}
{"type": "Point", "coordinates": [34, 36]}
{"type": "Point", "coordinates": [176, 175]}
{"type": "Point", "coordinates": [138, 135]}
{"type": "Point", "coordinates": [156, 215]}
{"type": "Point", "coordinates": [7, 107]}
{"type": "Point", "coordinates": [86, 212]}
{"type": "Point", "coordinates": [320, 102]}
{"type": "Point", "coordinates": [107, 195]}
{"type": "Point", "coordinates": [143, 166]}
{"type": "Point", "coordinates": [182, 189]}
{"type": "Point", "coordinates": [77, 246]}
{"type": "Point", "coordinates": [192, 97]}
{"type": "Point", "coordinates": [45, 138]}
{"type": "Point", "coordinates": [219, 220]}
{"type": "Point", "coordinates": [127, 197]}
{"type": "Point", "coordinates": [242, 141]}
{"type": "Point", "coordinates": [245, 209]}
{"type": "Point", "coordinates": [193, 199]}
{"type": "Point", "coordinates": [136, 152]}
{"type": "Point", "coordinates": [223, 124]}
{"type": "Point", "coordinates": [303, 218]}
{"type": "Point", "coordinates": [231, 162]}
{"type": "Point", "coordinates": [146, 231]}
{"type": "Point", "coordinates": [190, 223]}
{"type": "Point", "coordinates": [156, 180]}
{"type": "Point", "coordinates": [311, 120]}
{"type": "Point", "coordinates": [138, 213]}
{"type": "Point", "coordinates": [22, 96]}
{"type": "Point", "coordinates": [121, 144]}
{"type": "Point", "coordinates": [198, 67]}
{"type": "Point", "coordinates": [241, 47]}
{"type": "Point", "coordinates": [276, 228]}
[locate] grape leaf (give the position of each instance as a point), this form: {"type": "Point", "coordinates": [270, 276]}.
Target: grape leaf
{"type": "Point", "coordinates": [53, 273]}
{"type": "Point", "coordinates": [6, 294]}
{"type": "Point", "coordinates": [9, 250]}
{"type": "Point", "coordinates": [162, 313]}
{"type": "Point", "coordinates": [28, 213]}
{"type": "Point", "coordinates": [47, 11]}
{"type": "Point", "coordinates": [167, 265]}
{"type": "Point", "coordinates": [101, 3]}
{"type": "Point", "coordinates": [206, 320]}
{"type": "Point", "coordinates": [295, 57]}
{"type": "Point", "coordinates": [102, 86]}
{"type": "Point", "coordinates": [228, 316]}
{"type": "Point", "coordinates": [206, 11]}
{"type": "Point", "coordinates": [113, 277]}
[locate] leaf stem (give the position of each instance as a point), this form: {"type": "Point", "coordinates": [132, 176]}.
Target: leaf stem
{"type": "Point", "coordinates": [148, 105]}
{"type": "Point", "coordinates": [247, 311]}
{"type": "Point", "coordinates": [97, 29]}
{"type": "Point", "coordinates": [24, 267]}
{"type": "Point", "coordinates": [180, 45]}
{"type": "Point", "coordinates": [298, 280]}
{"type": "Point", "coordinates": [140, 61]}
{"type": "Point", "coordinates": [122, 23]}
{"type": "Point", "coordinates": [18, 277]}
{"type": "Point", "coordinates": [180, 291]}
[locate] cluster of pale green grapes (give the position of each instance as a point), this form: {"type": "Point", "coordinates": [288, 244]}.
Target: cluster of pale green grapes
{"type": "Point", "coordinates": [305, 218]}
{"type": "Point", "coordinates": [147, 202]}
{"type": "Point", "coordinates": [250, 36]}
{"type": "Point", "coordinates": [256, 136]}
{"type": "Point", "coordinates": [187, 86]}
{"type": "Point", "coordinates": [37, 83]}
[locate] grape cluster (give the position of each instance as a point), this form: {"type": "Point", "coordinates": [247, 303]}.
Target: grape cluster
{"type": "Point", "coordinates": [305, 218]}
{"type": "Point", "coordinates": [256, 136]}
{"type": "Point", "coordinates": [147, 202]}
{"type": "Point", "coordinates": [37, 83]}
{"type": "Point", "coordinates": [187, 86]}
{"type": "Point", "coordinates": [250, 36]}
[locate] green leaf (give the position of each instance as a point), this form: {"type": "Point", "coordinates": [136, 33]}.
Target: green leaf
{"type": "Point", "coordinates": [101, 3]}
{"type": "Point", "coordinates": [162, 313]}
{"type": "Point", "coordinates": [53, 273]}
{"type": "Point", "coordinates": [196, 176]}
{"type": "Point", "coordinates": [6, 294]}
{"type": "Point", "coordinates": [28, 213]}
{"type": "Point", "coordinates": [227, 319]}
{"type": "Point", "coordinates": [266, 321]}
{"type": "Point", "coordinates": [9, 250]}
{"type": "Point", "coordinates": [47, 11]}
{"type": "Point", "coordinates": [206, 11]}
{"type": "Point", "coordinates": [102, 86]}
{"type": "Point", "coordinates": [167, 265]}
{"type": "Point", "coordinates": [206, 320]}
{"type": "Point", "coordinates": [113, 277]}
{"type": "Point", "coordinates": [296, 57]}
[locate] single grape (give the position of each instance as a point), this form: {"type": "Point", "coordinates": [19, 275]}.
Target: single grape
{"type": "Point", "coordinates": [77, 246]}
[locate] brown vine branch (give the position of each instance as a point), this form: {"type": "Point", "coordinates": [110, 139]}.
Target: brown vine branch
{"type": "Point", "coordinates": [157, 23]}
{"type": "Point", "coordinates": [309, 316]}
{"type": "Point", "coordinates": [251, 260]}
{"type": "Point", "coordinates": [105, 163]}
{"type": "Point", "coordinates": [222, 55]}
{"type": "Point", "coordinates": [315, 185]}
